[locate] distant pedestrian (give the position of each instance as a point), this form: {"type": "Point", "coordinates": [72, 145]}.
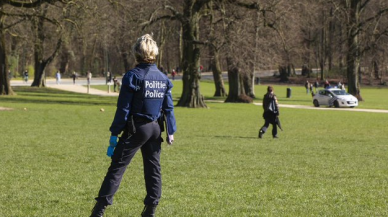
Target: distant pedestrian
{"type": "Point", "coordinates": [271, 112]}
{"type": "Point", "coordinates": [9, 74]}
{"type": "Point", "coordinates": [74, 76]}
{"type": "Point", "coordinates": [316, 85]}
{"type": "Point", "coordinates": [89, 77]}
{"type": "Point", "coordinates": [118, 83]}
{"type": "Point", "coordinates": [307, 86]}
{"type": "Point", "coordinates": [343, 86]}
{"type": "Point", "coordinates": [327, 84]}
{"type": "Point", "coordinates": [311, 88]}
{"type": "Point", "coordinates": [108, 77]}
{"type": "Point", "coordinates": [173, 73]}
{"type": "Point", "coordinates": [114, 83]}
{"type": "Point", "coordinates": [58, 77]}
{"type": "Point", "coordinates": [25, 76]}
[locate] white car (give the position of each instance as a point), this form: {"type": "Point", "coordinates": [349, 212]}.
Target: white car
{"type": "Point", "coordinates": [334, 97]}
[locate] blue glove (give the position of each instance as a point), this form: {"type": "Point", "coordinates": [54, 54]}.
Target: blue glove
{"type": "Point", "coordinates": [112, 145]}
{"type": "Point", "coordinates": [110, 151]}
{"type": "Point", "coordinates": [113, 141]}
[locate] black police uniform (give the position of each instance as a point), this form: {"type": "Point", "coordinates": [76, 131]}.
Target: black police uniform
{"type": "Point", "coordinates": [145, 92]}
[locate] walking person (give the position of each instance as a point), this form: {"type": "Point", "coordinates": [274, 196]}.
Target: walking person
{"type": "Point", "coordinates": [114, 83]}
{"type": "Point", "coordinates": [312, 89]}
{"type": "Point", "coordinates": [307, 86]}
{"type": "Point", "coordinates": [173, 73]}
{"type": "Point", "coordinates": [25, 75]}
{"type": "Point", "coordinates": [145, 92]}
{"type": "Point", "coordinates": [316, 85]}
{"type": "Point", "coordinates": [88, 77]}
{"type": "Point", "coordinates": [58, 77]}
{"type": "Point", "coordinates": [327, 84]}
{"type": "Point", "coordinates": [271, 112]}
{"type": "Point", "coordinates": [9, 75]}
{"type": "Point", "coordinates": [74, 76]}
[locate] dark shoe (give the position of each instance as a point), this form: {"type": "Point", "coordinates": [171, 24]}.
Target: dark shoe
{"type": "Point", "coordinates": [149, 211]}
{"type": "Point", "coordinates": [98, 210]}
{"type": "Point", "coordinates": [275, 137]}
{"type": "Point", "coordinates": [261, 134]}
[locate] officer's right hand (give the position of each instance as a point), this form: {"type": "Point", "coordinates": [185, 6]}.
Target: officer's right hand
{"type": "Point", "coordinates": [170, 139]}
{"type": "Point", "coordinates": [112, 145]}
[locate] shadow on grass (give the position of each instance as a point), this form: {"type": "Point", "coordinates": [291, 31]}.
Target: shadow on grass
{"type": "Point", "coordinates": [53, 96]}
{"type": "Point", "coordinates": [238, 137]}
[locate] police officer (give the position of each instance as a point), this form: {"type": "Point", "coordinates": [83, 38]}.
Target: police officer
{"type": "Point", "coordinates": [271, 112]}
{"type": "Point", "coordinates": [145, 92]}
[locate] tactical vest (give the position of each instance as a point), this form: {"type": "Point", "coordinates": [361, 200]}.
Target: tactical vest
{"type": "Point", "coordinates": [149, 98]}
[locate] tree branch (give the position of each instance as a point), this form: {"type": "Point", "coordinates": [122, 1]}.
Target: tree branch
{"type": "Point", "coordinates": [55, 22]}
{"type": "Point", "coordinates": [14, 24]}
{"type": "Point", "coordinates": [253, 5]}
{"type": "Point", "coordinates": [381, 12]}
{"type": "Point", "coordinates": [175, 16]}
{"type": "Point", "coordinates": [27, 3]}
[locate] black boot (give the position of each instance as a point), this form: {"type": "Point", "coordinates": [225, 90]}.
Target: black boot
{"type": "Point", "coordinates": [261, 134]}
{"type": "Point", "coordinates": [149, 211]}
{"type": "Point", "coordinates": [98, 210]}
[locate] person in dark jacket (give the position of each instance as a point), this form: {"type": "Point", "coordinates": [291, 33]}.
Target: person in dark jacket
{"type": "Point", "coordinates": [145, 93]}
{"type": "Point", "coordinates": [271, 112]}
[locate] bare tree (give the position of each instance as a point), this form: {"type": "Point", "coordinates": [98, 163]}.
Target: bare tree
{"type": "Point", "coordinates": [356, 20]}
{"type": "Point", "coordinates": [189, 16]}
{"type": "Point", "coordinates": [40, 35]}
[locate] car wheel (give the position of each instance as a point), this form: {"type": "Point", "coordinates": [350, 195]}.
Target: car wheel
{"type": "Point", "coordinates": [336, 104]}
{"type": "Point", "coordinates": [316, 103]}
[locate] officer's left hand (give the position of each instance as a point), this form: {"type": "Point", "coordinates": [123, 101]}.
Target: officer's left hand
{"type": "Point", "coordinates": [112, 145]}
{"type": "Point", "coordinates": [113, 141]}
{"type": "Point", "coordinates": [110, 151]}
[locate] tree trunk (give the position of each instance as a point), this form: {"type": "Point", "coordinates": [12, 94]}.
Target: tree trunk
{"type": "Point", "coordinates": [248, 78]}
{"type": "Point", "coordinates": [283, 74]}
{"type": "Point", "coordinates": [64, 60]}
{"type": "Point", "coordinates": [191, 95]}
{"type": "Point", "coordinates": [180, 60]}
{"type": "Point", "coordinates": [248, 81]}
{"type": "Point", "coordinates": [330, 41]}
{"type": "Point", "coordinates": [236, 84]}
{"type": "Point", "coordinates": [5, 85]}
{"type": "Point", "coordinates": [162, 41]}
{"type": "Point", "coordinates": [376, 69]}
{"type": "Point", "coordinates": [353, 53]}
{"type": "Point", "coordinates": [217, 73]}
{"type": "Point", "coordinates": [322, 55]}
{"type": "Point", "coordinates": [39, 77]}
{"type": "Point", "coordinates": [40, 62]}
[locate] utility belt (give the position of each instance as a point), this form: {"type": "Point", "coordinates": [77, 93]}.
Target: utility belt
{"type": "Point", "coordinates": [131, 128]}
{"type": "Point", "coordinates": [139, 119]}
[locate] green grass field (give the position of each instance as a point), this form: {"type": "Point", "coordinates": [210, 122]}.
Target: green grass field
{"type": "Point", "coordinates": [325, 163]}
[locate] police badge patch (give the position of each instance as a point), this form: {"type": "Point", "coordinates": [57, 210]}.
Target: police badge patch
{"type": "Point", "coordinates": [154, 89]}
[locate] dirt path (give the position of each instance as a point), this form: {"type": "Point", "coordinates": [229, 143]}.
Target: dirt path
{"type": "Point", "coordinates": [327, 108]}
{"type": "Point", "coordinates": [82, 89]}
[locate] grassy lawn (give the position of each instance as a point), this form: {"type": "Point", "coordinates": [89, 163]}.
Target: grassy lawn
{"type": "Point", "coordinates": [326, 162]}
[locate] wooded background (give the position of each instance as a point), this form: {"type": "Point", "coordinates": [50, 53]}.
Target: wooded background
{"type": "Point", "coordinates": [343, 37]}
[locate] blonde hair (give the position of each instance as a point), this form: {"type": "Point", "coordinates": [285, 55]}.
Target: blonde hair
{"type": "Point", "coordinates": [145, 49]}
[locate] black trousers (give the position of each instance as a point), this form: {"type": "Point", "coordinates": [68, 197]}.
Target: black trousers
{"type": "Point", "coordinates": [148, 139]}
{"type": "Point", "coordinates": [270, 118]}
